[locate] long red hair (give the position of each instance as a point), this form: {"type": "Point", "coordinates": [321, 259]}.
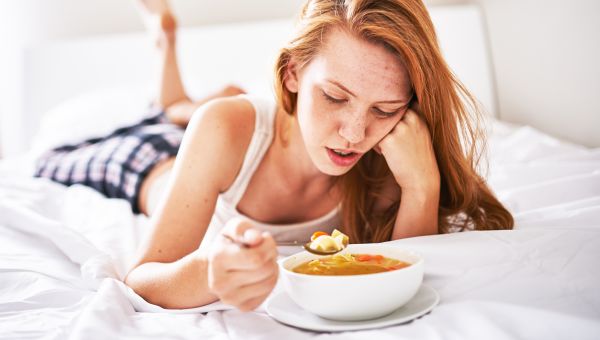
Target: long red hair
{"type": "Point", "coordinates": [451, 113]}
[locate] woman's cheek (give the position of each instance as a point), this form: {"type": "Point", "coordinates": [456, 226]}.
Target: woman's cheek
{"type": "Point", "coordinates": [389, 125]}
{"type": "Point", "coordinates": [309, 128]}
{"type": "Point", "coordinates": [321, 123]}
{"type": "Point", "coordinates": [375, 133]}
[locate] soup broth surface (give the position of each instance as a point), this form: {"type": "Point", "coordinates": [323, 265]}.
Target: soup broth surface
{"type": "Point", "coordinates": [350, 264]}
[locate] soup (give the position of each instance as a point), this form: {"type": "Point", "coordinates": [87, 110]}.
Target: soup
{"type": "Point", "coordinates": [350, 264]}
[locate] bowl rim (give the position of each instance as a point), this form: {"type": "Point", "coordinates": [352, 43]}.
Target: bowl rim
{"type": "Point", "coordinates": [419, 263]}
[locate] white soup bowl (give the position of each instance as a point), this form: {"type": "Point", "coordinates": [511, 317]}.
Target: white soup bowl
{"type": "Point", "coordinates": [354, 297]}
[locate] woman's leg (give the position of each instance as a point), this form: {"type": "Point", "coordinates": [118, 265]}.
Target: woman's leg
{"type": "Point", "coordinates": [178, 107]}
{"type": "Point", "coordinates": [153, 185]}
{"type": "Point", "coordinates": [171, 93]}
{"type": "Point", "coordinates": [162, 26]}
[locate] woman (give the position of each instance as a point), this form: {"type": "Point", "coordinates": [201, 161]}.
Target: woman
{"type": "Point", "coordinates": [368, 134]}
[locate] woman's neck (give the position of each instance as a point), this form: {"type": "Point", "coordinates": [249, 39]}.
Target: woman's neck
{"type": "Point", "coordinates": [292, 157]}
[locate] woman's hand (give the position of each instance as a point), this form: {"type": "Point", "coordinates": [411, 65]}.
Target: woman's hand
{"type": "Point", "coordinates": [409, 153]}
{"type": "Point", "coordinates": [243, 273]}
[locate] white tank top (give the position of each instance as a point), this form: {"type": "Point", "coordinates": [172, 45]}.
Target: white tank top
{"type": "Point", "coordinates": [226, 207]}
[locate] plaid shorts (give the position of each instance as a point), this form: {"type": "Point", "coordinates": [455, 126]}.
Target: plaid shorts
{"type": "Point", "coordinates": [114, 165]}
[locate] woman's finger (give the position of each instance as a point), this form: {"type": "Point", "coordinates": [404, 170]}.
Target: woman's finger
{"type": "Point", "coordinates": [246, 277]}
{"type": "Point", "coordinates": [251, 304]}
{"type": "Point", "coordinates": [239, 295]}
{"type": "Point", "coordinates": [255, 257]}
{"type": "Point", "coordinates": [235, 257]}
{"type": "Point", "coordinates": [237, 227]}
{"type": "Point", "coordinates": [410, 116]}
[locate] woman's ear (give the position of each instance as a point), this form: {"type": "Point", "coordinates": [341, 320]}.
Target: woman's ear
{"type": "Point", "coordinates": [291, 76]}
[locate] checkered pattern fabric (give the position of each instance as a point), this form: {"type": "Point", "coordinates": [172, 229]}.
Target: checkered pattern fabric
{"type": "Point", "coordinates": [114, 165]}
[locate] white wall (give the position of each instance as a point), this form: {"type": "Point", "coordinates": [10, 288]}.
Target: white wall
{"type": "Point", "coordinates": [545, 52]}
{"type": "Point", "coordinates": [35, 20]}
{"type": "Point", "coordinates": [546, 57]}
{"type": "Point", "coordinates": [31, 22]}
{"type": "Point", "coordinates": [547, 64]}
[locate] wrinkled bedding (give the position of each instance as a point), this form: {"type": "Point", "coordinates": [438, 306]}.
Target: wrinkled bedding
{"type": "Point", "coordinates": [64, 250]}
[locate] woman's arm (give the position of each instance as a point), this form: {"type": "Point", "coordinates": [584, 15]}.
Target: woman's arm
{"type": "Point", "coordinates": [170, 271]}
{"type": "Point", "coordinates": [178, 284]}
{"type": "Point", "coordinates": [418, 213]}
{"type": "Point", "coordinates": [196, 280]}
{"type": "Point", "coordinates": [409, 153]}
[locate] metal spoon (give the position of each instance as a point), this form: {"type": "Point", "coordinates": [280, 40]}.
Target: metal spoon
{"type": "Point", "coordinates": [278, 243]}
{"type": "Point", "coordinates": [321, 252]}
{"type": "Point", "coordinates": [306, 246]}
{"type": "Point", "coordinates": [235, 241]}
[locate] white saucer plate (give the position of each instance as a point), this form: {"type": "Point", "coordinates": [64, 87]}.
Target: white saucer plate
{"type": "Point", "coordinates": [281, 308]}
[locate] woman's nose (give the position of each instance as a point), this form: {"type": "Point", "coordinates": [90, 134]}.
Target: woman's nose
{"type": "Point", "coordinates": [353, 127]}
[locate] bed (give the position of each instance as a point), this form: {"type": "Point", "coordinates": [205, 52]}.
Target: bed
{"type": "Point", "coordinates": [65, 249]}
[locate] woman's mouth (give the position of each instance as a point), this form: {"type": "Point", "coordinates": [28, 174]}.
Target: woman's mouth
{"type": "Point", "coordinates": [343, 157]}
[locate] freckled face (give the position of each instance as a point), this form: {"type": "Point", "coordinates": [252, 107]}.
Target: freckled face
{"type": "Point", "coordinates": [350, 96]}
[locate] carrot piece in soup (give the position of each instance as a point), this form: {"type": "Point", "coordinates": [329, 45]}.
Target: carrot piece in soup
{"type": "Point", "coordinates": [398, 266]}
{"type": "Point", "coordinates": [363, 257]}
{"type": "Point", "coordinates": [317, 234]}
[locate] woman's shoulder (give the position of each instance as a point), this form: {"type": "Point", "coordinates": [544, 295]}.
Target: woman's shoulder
{"type": "Point", "coordinates": [232, 114]}
{"type": "Point", "coordinates": [231, 117]}
{"type": "Point", "coordinates": [227, 125]}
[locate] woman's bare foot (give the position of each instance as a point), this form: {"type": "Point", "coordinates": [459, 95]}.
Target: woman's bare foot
{"type": "Point", "coordinates": [181, 111]}
{"type": "Point", "coordinates": [229, 90]}
{"type": "Point", "coordinates": [159, 21]}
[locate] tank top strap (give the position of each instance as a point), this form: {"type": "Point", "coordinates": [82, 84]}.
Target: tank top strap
{"type": "Point", "coordinates": [259, 144]}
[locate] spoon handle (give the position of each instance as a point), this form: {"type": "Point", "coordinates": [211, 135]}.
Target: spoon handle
{"type": "Point", "coordinates": [239, 243]}
{"type": "Point", "coordinates": [289, 243]}
{"type": "Point", "coordinates": [279, 244]}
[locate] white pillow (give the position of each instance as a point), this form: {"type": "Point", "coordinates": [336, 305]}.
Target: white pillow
{"type": "Point", "coordinates": [90, 115]}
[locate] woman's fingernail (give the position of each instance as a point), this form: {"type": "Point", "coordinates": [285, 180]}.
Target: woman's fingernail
{"type": "Point", "coordinates": [252, 236]}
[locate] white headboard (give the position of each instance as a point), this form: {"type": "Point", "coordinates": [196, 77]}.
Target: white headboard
{"type": "Point", "coordinates": [211, 56]}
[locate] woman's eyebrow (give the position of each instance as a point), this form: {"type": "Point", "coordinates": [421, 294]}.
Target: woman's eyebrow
{"type": "Point", "coordinates": [400, 101]}
{"type": "Point", "coordinates": [391, 101]}
{"type": "Point", "coordinates": [344, 88]}
{"type": "Point", "coordinates": [340, 86]}
{"type": "Point", "coordinates": [403, 101]}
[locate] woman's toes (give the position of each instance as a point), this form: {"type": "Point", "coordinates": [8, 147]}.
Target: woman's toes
{"type": "Point", "coordinates": [156, 7]}
{"type": "Point", "coordinates": [167, 22]}
{"type": "Point", "coordinates": [157, 15]}
{"type": "Point", "coordinates": [159, 21]}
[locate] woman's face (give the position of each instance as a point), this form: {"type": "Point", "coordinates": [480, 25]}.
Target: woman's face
{"type": "Point", "coordinates": [350, 96]}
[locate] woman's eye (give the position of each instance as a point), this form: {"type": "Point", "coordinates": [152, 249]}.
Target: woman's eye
{"type": "Point", "coordinates": [332, 99]}
{"type": "Point", "coordinates": [380, 112]}
{"type": "Point", "coordinates": [386, 114]}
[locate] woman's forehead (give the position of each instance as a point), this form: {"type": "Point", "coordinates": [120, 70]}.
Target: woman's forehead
{"type": "Point", "coordinates": [360, 65]}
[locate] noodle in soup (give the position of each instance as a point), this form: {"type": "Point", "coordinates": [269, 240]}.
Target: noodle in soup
{"type": "Point", "coordinates": [350, 264]}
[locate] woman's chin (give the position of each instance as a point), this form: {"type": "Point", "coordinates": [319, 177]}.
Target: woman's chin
{"type": "Point", "coordinates": [330, 169]}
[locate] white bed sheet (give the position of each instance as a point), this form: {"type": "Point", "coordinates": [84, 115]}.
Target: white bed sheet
{"type": "Point", "coordinates": [63, 251]}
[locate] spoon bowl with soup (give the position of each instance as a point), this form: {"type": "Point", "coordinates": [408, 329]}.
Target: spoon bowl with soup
{"type": "Point", "coordinates": [323, 244]}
